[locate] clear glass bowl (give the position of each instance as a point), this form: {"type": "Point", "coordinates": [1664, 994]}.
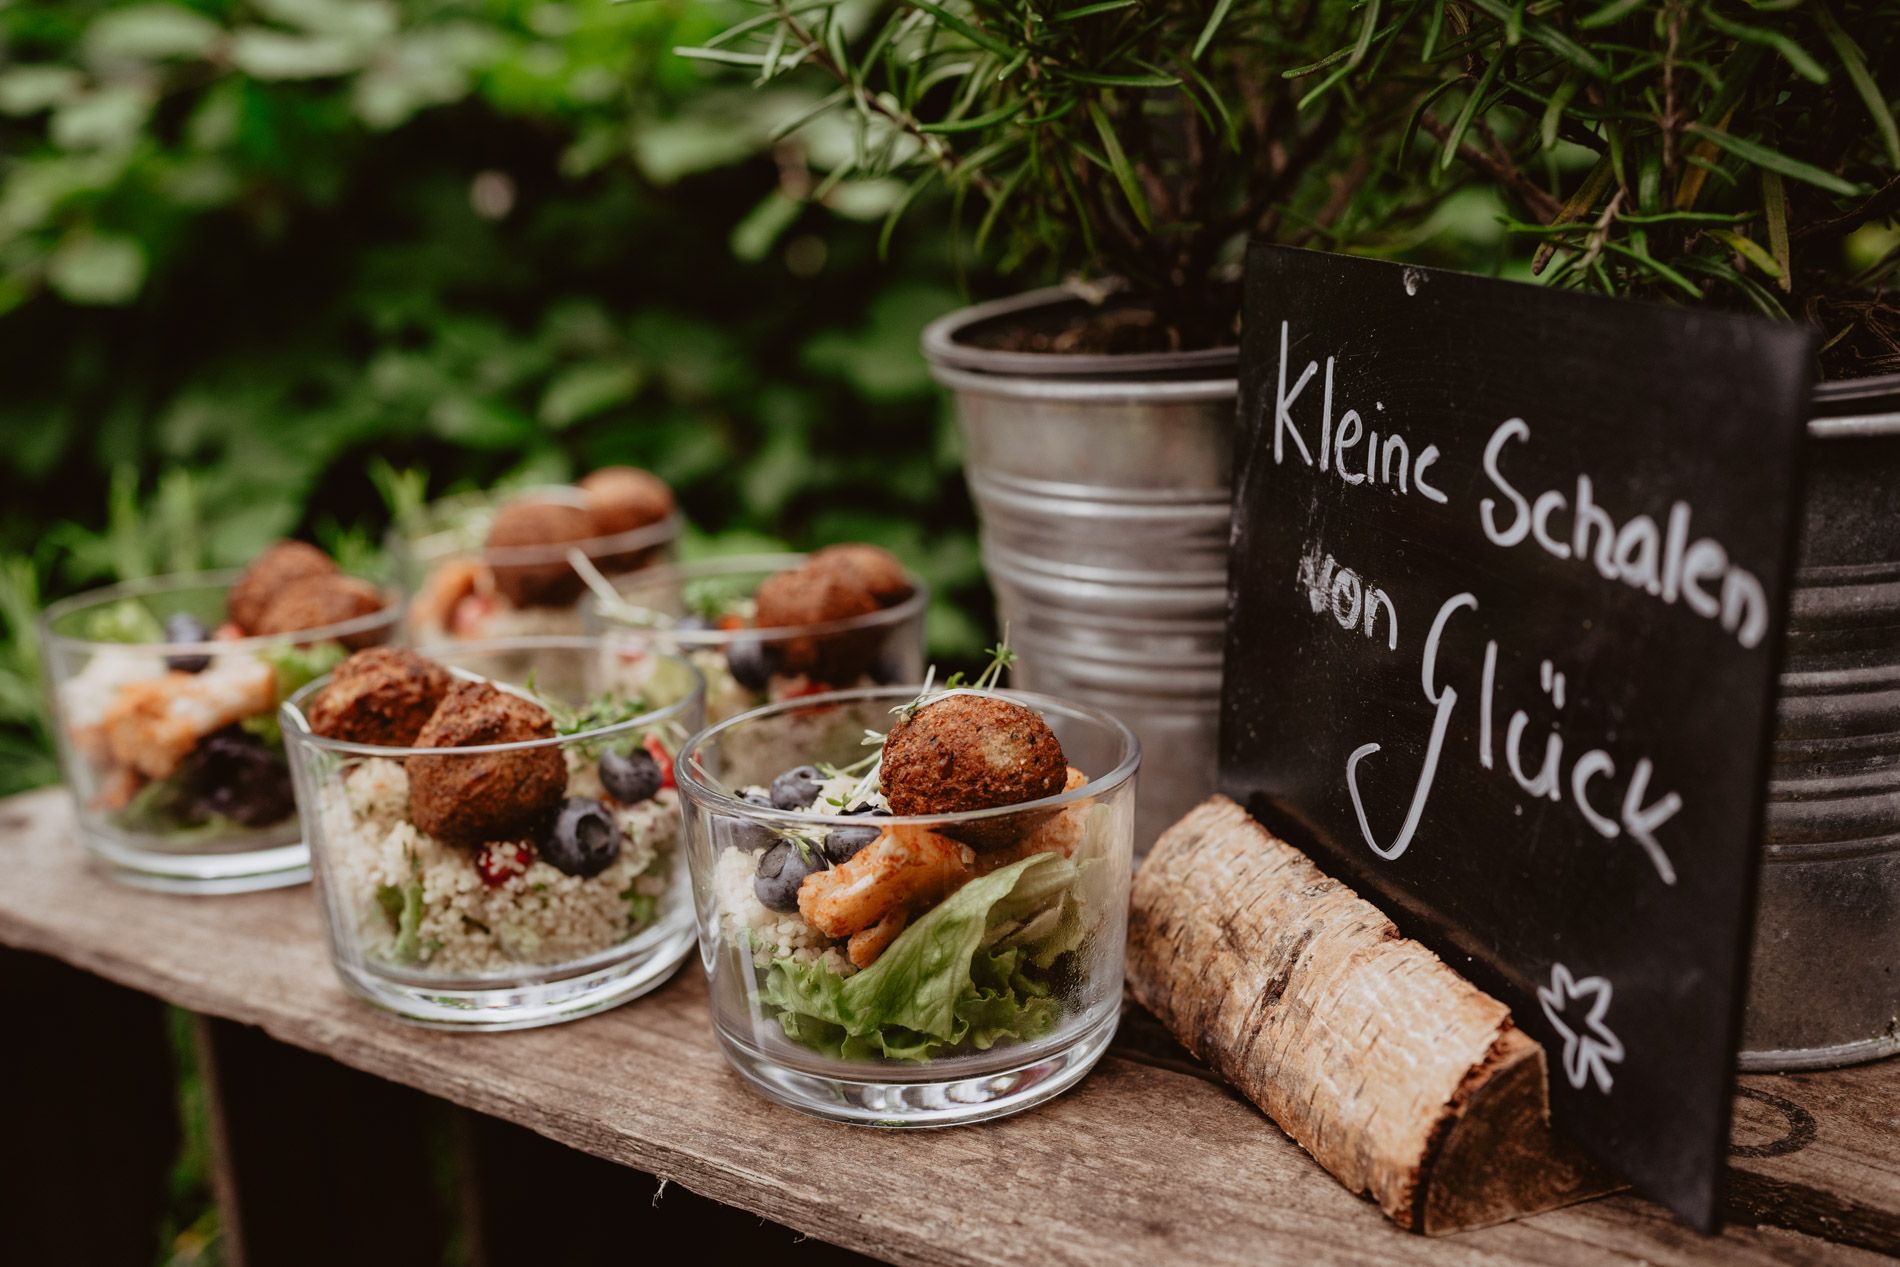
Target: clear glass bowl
{"type": "Point", "coordinates": [442, 560]}
{"type": "Point", "coordinates": [702, 610]}
{"type": "Point", "coordinates": [994, 998]}
{"type": "Point", "coordinates": [179, 777]}
{"type": "Point", "coordinates": [488, 934]}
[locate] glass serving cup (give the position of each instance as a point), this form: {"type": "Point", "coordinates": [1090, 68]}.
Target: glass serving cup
{"type": "Point", "coordinates": [171, 749]}
{"type": "Point", "coordinates": [666, 607]}
{"type": "Point", "coordinates": [492, 936]}
{"type": "Point", "coordinates": [997, 997]}
{"type": "Point", "coordinates": [443, 562]}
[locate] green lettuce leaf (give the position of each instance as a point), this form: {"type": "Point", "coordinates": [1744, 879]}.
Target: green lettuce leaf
{"type": "Point", "coordinates": [295, 668]}
{"type": "Point", "coordinates": [402, 907]}
{"type": "Point", "coordinates": [938, 985]}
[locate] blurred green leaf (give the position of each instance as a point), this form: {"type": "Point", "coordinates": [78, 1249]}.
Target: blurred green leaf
{"type": "Point", "coordinates": [585, 390]}
{"type": "Point", "coordinates": [97, 268]}
{"type": "Point", "coordinates": [150, 32]}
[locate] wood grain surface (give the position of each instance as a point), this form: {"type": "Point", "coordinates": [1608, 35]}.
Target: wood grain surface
{"type": "Point", "coordinates": [1145, 1162]}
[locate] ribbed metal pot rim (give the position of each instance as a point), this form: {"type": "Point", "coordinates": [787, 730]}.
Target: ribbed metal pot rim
{"type": "Point", "coordinates": [1093, 390]}
{"type": "Point", "coordinates": [1843, 409]}
{"type": "Point", "coordinates": [1100, 500]}
{"type": "Point", "coordinates": [945, 350]}
{"type": "Point", "coordinates": [1856, 407]}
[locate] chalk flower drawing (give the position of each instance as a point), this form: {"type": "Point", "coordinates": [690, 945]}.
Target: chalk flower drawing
{"type": "Point", "coordinates": [1586, 1055]}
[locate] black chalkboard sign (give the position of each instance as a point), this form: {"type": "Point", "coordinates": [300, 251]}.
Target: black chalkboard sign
{"type": "Point", "coordinates": [1507, 587]}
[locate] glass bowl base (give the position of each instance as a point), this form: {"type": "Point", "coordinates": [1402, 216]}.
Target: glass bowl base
{"type": "Point", "coordinates": [244, 871]}
{"type": "Point", "coordinates": [523, 1005]}
{"type": "Point", "coordinates": [921, 1104]}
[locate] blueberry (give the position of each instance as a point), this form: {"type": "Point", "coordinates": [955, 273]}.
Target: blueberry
{"type": "Point", "coordinates": [751, 662]}
{"type": "Point", "coordinates": [691, 624]}
{"type": "Point", "coordinates": [231, 772]}
{"type": "Point", "coordinates": [782, 868]}
{"type": "Point", "coordinates": [874, 811]}
{"type": "Point", "coordinates": [185, 627]}
{"type": "Point", "coordinates": [632, 778]}
{"type": "Point", "coordinates": [743, 833]}
{"type": "Point", "coordinates": [584, 840]}
{"type": "Point", "coordinates": [797, 788]}
{"type": "Point", "coordinates": [843, 843]}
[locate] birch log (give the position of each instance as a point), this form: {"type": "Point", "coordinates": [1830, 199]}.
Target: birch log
{"type": "Point", "coordinates": [1404, 1080]}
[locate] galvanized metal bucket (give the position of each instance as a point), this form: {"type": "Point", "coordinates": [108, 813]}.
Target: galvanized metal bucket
{"type": "Point", "coordinates": [1824, 983]}
{"type": "Point", "coordinates": [1103, 485]}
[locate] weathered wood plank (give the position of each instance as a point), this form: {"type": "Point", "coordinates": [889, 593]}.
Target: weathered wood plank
{"type": "Point", "coordinates": [1140, 1164]}
{"type": "Point", "coordinates": [1820, 1152]}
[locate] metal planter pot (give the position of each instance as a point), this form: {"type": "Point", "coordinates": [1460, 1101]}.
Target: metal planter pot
{"type": "Point", "coordinates": [1824, 983]}
{"type": "Point", "coordinates": [1103, 484]}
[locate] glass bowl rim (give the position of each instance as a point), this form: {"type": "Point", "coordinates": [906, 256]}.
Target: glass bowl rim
{"type": "Point", "coordinates": [390, 615]}
{"type": "Point", "coordinates": [686, 769]}
{"type": "Point", "coordinates": [777, 561]}
{"type": "Point", "coordinates": [291, 716]}
{"type": "Point", "coordinates": [656, 533]}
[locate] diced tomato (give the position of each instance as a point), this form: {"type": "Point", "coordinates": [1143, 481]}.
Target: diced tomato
{"type": "Point", "coordinates": [730, 622]}
{"type": "Point", "coordinates": [660, 757]}
{"type": "Point", "coordinates": [470, 613]}
{"type": "Point", "coordinates": [500, 861]}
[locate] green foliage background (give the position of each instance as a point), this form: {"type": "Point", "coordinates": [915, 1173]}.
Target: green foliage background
{"type": "Point", "coordinates": [251, 251]}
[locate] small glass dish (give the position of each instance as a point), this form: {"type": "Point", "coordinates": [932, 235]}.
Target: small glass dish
{"type": "Point", "coordinates": [702, 611]}
{"type": "Point", "coordinates": [992, 998]}
{"type": "Point", "coordinates": [443, 560]}
{"type": "Point", "coordinates": [172, 749]}
{"type": "Point", "coordinates": [489, 934]}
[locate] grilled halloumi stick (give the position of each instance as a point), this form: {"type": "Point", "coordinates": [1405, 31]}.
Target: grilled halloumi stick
{"type": "Point", "coordinates": [153, 724]}
{"type": "Point", "coordinates": [868, 943]}
{"type": "Point", "coordinates": [904, 866]}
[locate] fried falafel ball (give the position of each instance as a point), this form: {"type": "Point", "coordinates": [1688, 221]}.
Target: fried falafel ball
{"type": "Point", "coordinates": [382, 696]}
{"type": "Point", "coordinates": [970, 752]}
{"type": "Point", "coordinates": [269, 574]}
{"type": "Point", "coordinates": [539, 522]}
{"type": "Point", "coordinates": [317, 601]}
{"type": "Point", "coordinates": [492, 796]}
{"type": "Point", "coordinates": [872, 569]}
{"type": "Point", "coordinates": [814, 596]}
{"type": "Point", "coordinates": [622, 498]}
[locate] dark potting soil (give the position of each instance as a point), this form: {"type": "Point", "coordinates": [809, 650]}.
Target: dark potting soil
{"type": "Point", "coordinates": [1120, 325]}
{"type": "Point", "coordinates": [1863, 332]}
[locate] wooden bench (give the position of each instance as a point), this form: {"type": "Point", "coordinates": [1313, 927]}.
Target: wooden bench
{"type": "Point", "coordinates": [1148, 1162]}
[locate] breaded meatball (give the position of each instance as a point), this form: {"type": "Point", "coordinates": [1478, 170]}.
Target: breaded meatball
{"type": "Point", "coordinates": [539, 522]}
{"type": "Point", "coordinates": [874, 570]}
{"type": "Point", "coordinates": [622, 498]}
{"type": "Point", "coordinates": [969, 752]}
{"type": "Point", "coordinates": [381, 696]}
{"type": "Point", "coordinates": [813, 596]}
{"type": "Point", "coordinates": [489, 796]}
{"type": "Point", "coordinates": [269, 575]}
{"type": "Point", "coordinates": [317, 601]}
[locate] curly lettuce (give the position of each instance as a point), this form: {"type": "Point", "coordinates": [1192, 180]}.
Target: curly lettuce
{"type": "Point", "coordinates": [969, 973]}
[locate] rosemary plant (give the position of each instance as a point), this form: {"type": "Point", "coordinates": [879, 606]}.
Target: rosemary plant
{"type": "Point", "coordinates": [1729, 147]}
{"type": "Point", "coordinates": [1697, 151]}
{"type": "Point", "coordinates": [1139, 138]}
